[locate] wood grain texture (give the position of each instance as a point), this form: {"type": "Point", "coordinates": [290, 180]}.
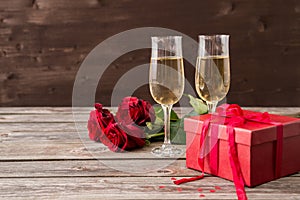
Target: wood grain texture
{"type": "Point", "coordinates": [63, 147]}
{"type": "Point", "coordinates": [52, 133]}
{"type": "Point", "coordinates": [180, 111]}
{"type": "Point", "coordinates": [90, 168]}
{"type": "Point", "coordinates": [43, 157]}
{"type": "Point", "coordinates": [80, 115]}
{"type": "Point", "coordinates": [96, 167]}
{"type": "Point", "coordinates": [43, 43]}
{"type": "Point", "coordinates": [138, 188]}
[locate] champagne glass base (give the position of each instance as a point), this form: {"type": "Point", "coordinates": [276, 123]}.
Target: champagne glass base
{"type": "Point", "coordinates": [168, 151]}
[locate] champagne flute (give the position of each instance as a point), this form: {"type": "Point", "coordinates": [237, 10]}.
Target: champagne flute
{"type": "Point", "coordinates": [212, 76]}
{"type": "Point", "coordinates": [166, 81]}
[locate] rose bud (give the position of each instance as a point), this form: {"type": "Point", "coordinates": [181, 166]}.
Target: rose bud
{"type": "Point", "coordinates": [104, 116]}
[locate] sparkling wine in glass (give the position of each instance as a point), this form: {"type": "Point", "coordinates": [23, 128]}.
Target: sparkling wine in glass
{"type": "Point", "coordinates": [212, 76]}
{"type": "Point", "coordinates": [166, 81]}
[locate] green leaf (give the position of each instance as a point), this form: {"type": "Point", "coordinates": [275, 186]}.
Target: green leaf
{"type": "Point", "coordinates": [159, 113]}
{"type": "Point", "coordinates": [178, 135]}
{"type": "Point", "coordinates": [173, 116]}
{"type": "Point", "coordinates": [192, 113]}
{"type": "Point", "coordinates": [153, 127]}
{"type": "Point", "coordinates": [198, 105]}
{"type": "Point", "coordinates": [177, 132]}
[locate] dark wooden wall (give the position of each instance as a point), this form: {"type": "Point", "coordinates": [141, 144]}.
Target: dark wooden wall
{"type": "Point", "coordinates": [43, 42]}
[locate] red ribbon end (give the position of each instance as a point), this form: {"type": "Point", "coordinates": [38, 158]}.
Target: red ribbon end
{"type": "Point", "coordinates": [185, 180]}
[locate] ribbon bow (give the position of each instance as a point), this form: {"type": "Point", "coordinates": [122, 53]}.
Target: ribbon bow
{"type": "Point", "coordinates": [235, 115]}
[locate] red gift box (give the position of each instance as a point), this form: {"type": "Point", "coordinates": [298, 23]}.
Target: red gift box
{"type": "Point", "coordinates": [257, 146]}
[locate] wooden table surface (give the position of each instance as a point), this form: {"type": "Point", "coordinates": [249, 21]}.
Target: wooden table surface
{"type": "Point", "coordinates": [46, 155]}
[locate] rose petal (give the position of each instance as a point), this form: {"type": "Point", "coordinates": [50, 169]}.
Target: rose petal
{"type": "Point", "coordinates": [115, 138]}
{"type": "Point", "coordinates": [134, 110]}
{"type": "Point", "coordinates": [217, 187]}
{"type": "Point", "coordinates": [94, 129]}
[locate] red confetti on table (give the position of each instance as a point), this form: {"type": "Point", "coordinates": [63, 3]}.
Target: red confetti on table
{"type": "Point", "coordinates": [201, 195]}
{"type": "Point", "coordinates": [217, 187]}
{"type": "Point", "coordinates": [200, 189]}
{"type": "Point", "coordinates": [173, 179]}
{"type": "Point", "coordinates": [162, 186]}
{"type": "Point", "coordinates": [179, 189]}
{"type": "Point", "coordinates": [212, 190]}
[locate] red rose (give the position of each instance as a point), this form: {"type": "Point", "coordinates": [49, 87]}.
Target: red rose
{"type": "Point", "coordinates": [116, 136]}
{"type": "Point", "coordinates": [98, 121]}
{"type": "Point", "coordinates": [117, 140]}
{"type": "Point", "coordinates": [134, 110]}
{"type": "Point", "coordinates": [94, 128]}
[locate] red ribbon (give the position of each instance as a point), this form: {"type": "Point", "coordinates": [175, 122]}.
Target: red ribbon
{"type": "Point", "coordinates": [235, 117]}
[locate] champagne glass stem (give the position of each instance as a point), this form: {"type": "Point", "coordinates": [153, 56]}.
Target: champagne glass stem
{"type": "Point", "coordinates": [212, 106]}
{"type": "Point", "coordinates": [167, 112]}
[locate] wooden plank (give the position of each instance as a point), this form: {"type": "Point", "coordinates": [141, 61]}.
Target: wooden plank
{"type": "Point", "coordinates": [78, 115]}
{"type": "Point", "coordinates": [15, 4]}
{"type": "Point", "coordinates": [48, 160]}
{"type": "Point", "coordinates": [29, 128]}
{"type": "Point", "coordinates": [262, 42]}
{"type": "Point", "coordinates": [84, 110]}
{"type": "Point", "coordinates": [56, 141]}
{"type": "Point", "coordinates": [45, 110]}
{"type": "Point", "coordinates": [288, 111]}
{"type": "Point", "coordinates": [95, 168]}
{"type": "Point", "coordinates": [47, 150]}
{"type": "Point", "coordinates": [98, 168]}
{"type": "Point", "coordinates": [30, 118]}
{"type": "Point", "coordinates": [71, 4]}
{"type": "Point", "coordinates": [139, 188]}
{"type": "Point", "coordinates": [61, 144]}
{"type": "Point", "coordinates": [68, 110]}
{"type": "Point", "coordinates": [82, 115]}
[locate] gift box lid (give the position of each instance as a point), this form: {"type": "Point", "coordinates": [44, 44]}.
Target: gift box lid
{"type": "Point", "coordinates": [250, 133]}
